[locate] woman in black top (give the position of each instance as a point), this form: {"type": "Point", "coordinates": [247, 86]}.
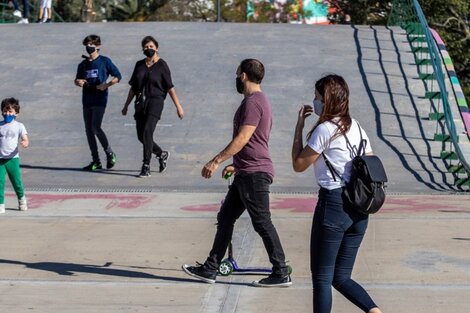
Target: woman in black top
{"type": "Point", "coordinates": [150, 83]}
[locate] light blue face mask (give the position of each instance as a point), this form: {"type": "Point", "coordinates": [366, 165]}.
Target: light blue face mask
{"type": "Point", "coordinates": [8, 118]}
{"type": "Point", "coordinates": [318, 106]}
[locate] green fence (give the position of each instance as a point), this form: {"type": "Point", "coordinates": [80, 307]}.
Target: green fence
{"type": "Point", "coordinates": [409, 15]}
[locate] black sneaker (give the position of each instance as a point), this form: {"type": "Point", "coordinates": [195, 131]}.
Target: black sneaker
{"type": "Point", "coordinates": [110, 160]}
{"type": "Point", "coordinates": [145, 171]}
{"type": "Point", "coordinates": [163, 160]}
{"type": "Point", "coordinates": [200, 272]}
{"type": "Point", "coordinates": [93, 166]}
{"type": "Point", "coordinates": [274, 281]}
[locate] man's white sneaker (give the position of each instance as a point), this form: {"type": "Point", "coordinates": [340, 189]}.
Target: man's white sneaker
{"type": "Point", "coordinates": [22, 204]}
{"type": "Point", "coordinates": [17, 13]}
{"type": "Point", "coordinates": [23, 21]}
{"type": "Point", "coordinates": [2, 208]}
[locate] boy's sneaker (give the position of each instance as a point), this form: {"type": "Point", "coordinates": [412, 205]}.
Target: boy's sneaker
{"type": "Point", "coordinates": [200, 272]}
{"type": "Point", "coordinates": [22, 204]}
{"type": "Point", "coordinates": [23, 21]}
{"type": "Point", "coordinates": [274, 281]}
{"type": "Point", "coordinates": [145, 171]}
{"type": "Point", "coordinates": [93, 166]}
{"type": "Point", "coordinates": [17, 13]}
{"type": "Point", "coordinates": [163, 160]}
{"type": "Point", "coordinates": [110, 160]}
{"type": "Point", "coordinates": [2, 208]}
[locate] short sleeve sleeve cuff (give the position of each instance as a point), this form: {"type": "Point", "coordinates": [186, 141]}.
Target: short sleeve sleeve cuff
{"type": "Point", "coordinates": [319, 139]}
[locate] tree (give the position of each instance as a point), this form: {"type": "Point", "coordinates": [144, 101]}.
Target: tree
{"type": "Point", "coordinates": [232, 10]}
{"type": "Point", "coordinates": [69, 9]}
{"type": "Point", "coordinates": [135, 10]}
{"type": "Point", "coordinates": [187, 10]}
{"type": "Point", "coordinates": [360, 11]}
{"type": "Point", "coordinates": [87, 12]}
{"type": "Point", "coordinates": [450, 19]}
{"type": "Point", "coordinates": [116, 10]}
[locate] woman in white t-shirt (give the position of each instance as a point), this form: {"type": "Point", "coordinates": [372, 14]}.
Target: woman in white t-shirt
{"type": "Point", "coordinates": [337, 230]}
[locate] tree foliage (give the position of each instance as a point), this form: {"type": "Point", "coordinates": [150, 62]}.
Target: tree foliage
{"type": "Point", "coordinates": [360, 11]}
{"type": "Point", "coordinates": [450, 19]}
{"type": "Point", "coordinates": [186, 10]}
{"type": "Point", "coordinates": [135, 10]}
{"type": "Point", "coordinates": [111, 10]}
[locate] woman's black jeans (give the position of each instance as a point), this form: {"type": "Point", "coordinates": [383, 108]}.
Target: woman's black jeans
{"type": "Point", "coordinates": [250, 192]}
{"type": "Point", "coordinates": [93, 117]}
{"type": "Point", "coordinates": [145, 126]}
{"type": "Point", "coordinates": [337, 233]}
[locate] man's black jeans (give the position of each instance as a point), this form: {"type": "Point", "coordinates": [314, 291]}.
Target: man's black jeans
{"type": "Point", "coordinates": [248, 192]}
{"type": "Point", "coordinates": [93, 117]}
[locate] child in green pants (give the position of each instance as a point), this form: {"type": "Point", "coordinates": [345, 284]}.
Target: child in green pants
{"type": "Point", "coordinates": [11, 132]}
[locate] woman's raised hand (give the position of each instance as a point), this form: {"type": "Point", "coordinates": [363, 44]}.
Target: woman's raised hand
{"type": "Point", "coordinates": [304, 112]}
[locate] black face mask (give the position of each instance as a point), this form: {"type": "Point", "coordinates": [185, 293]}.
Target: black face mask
{"type": "Point", "coordinates": [90, 49]}
{"type": "Point", "coordinates": [149, 53]}
{"type": "Point", "coordinates": [240, 86]}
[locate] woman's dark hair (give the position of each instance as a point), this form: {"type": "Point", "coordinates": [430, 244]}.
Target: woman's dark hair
{"type": "Point", "coordinates": [148, 39]}
{"type": "Point", "coordinates": [253, 69]}
{"type": "Point", "coordinates": [92, 39]}
{"type": "Point", "coordinates": [335, 92]}
{"type": "Point", "coordinates": [12, 103]}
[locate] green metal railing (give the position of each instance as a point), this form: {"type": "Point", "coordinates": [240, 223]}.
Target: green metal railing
{"type": "Point", "coordinates": [5, 12]}
{"type": "Point", "coordinates": [409, 15]}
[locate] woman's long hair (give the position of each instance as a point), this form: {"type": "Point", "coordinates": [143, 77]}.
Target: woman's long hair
{"type": "Point", "coordinates": [335, 92]}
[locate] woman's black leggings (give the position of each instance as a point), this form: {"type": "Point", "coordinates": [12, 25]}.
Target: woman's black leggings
{"type": "Point", "coordinates": [145, 126]}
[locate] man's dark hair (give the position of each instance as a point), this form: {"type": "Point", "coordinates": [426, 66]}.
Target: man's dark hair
{"type": "Point", "coordinates": [253, 69]}
{"type": "Point", "coordinates": [148, 39]}
{"type": "Point", "coordinates": [12, 103]}
{"type": "Point", "coordinates": [92, 39]}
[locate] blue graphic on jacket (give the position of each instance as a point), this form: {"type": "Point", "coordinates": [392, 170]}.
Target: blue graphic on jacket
{"type": "Point", "coordinates": [8, 118]}
{"type": "Point", "coordinates": [93, 73]}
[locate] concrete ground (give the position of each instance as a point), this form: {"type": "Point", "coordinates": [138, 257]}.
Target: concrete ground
{"type": "Point", "coordinates": [385, 96]}
{"type": "Point", "coordinates": [110, 242]}
{"type": "Point", "coordinates": [122, 252]}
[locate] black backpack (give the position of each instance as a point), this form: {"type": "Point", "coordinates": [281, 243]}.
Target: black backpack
{"type": "Point", "coordinates": [365, 191]}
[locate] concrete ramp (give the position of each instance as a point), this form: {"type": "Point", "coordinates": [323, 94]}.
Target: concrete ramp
{"type": "Point", "coordinates": [38, 64]}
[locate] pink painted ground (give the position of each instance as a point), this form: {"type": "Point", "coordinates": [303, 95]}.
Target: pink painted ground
{"type": "Point", "coordinates": [392, 204]}
{"type": "Point", "coordinates": [122, 201]}
{"type": "Point", "coordinates": [409, 203]}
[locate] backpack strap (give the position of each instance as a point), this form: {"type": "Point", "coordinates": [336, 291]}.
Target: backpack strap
{"type": "Point", "coordinates": [361, 150]}
{"type": "Point", "coordinates": [334, 173]}
{"type": "Point", "coordinates": [363, 144]}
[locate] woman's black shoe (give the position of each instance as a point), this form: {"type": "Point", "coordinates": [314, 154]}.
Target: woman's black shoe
{"type": "Point", "coordinates": [145, 172]}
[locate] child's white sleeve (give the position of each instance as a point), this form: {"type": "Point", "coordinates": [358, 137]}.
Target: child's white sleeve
{"type": "Point", "coordinates": [22, 130]}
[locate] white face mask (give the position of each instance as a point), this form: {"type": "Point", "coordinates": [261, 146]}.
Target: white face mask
{"type": "Point", "coordinates": [318, 106]}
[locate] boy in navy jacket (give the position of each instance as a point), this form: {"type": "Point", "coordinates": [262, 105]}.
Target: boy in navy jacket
{"type": "Point", "coordinates": [92, 76]}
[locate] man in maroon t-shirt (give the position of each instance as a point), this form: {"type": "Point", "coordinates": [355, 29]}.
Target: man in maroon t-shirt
{"type": "Point", "coordinates": [254, 174]}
